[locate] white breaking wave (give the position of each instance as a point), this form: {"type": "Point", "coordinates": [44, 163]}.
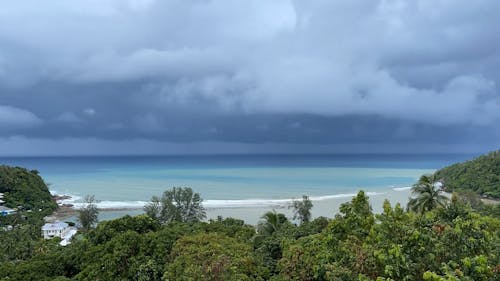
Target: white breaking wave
{"type": "Point", "coordinates": [216, 203]}
{"type": "Point", "coordinates": [103, 205]}
{"type": "Point", "coordinates": [402, 188]}
{"type": "Point", "coordinates": [245, 203]}
{"type": "Point", "coordinates": [71, 200]}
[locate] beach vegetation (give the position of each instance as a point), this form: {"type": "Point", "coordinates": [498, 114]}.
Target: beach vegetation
{"type": "Point", "coordinates": [211, 256]}
{"type": "Point", "coordinates": [178, 204]}
{"type": "Point", "coordinates": [426, 195]}
{"type": "Point", "coordinates": [449, 243]}
{"type": "Point", "coordinates": [271, 222]}
{"type": "Point", "coordinates": [302, 209]}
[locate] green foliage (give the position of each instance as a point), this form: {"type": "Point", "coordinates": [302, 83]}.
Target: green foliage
{"type": "Point", "coordinates": [491, 210]}
{"type": "Point", "coordinates": [26, 189]}
{"type": "Point", "coordinates": [473, 201]}
{"type": "Point", "coordinates": [302, 209]}
{"type": "Point", "coordinates": [395, 245]}
{"type": "Point", "coordinates": [179, 204]}
{"type": "Point", "coordinates": [19, 243]}
{"type": "Point", "coordinates": [469, 269]}
{"type": "Point", "coordinates": [356, 218]}
{"type": "Point", "coordinates": [452, 243]}
{"type": "Point", "coordinates": [106, 230]}
{"type": "Point", "coordinates": [231, 227]}
{"type": "Point", "coordinates": [481, 175]}
{"type": "Point", "coordinates": [271, 222]}
{"type": "Point", "coordinates": [426, 195]}
{"type": "Point", "coordinates": [130, 248]}
{"type": "Point", "coordinates": [117, 259]}
{"type": "Point", "coordinates": [211, 256]}
{"type": "Point", "coordinates": [302, 259]}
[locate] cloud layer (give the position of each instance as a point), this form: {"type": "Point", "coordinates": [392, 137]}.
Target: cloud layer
{"type": "Point", "coordinates": [299, 72]}
{"type": "Point", "coordinates": [13, 118]}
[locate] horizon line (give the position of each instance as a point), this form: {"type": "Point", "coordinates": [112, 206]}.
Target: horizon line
{"type": "Point", "coordinates": [242, 154]}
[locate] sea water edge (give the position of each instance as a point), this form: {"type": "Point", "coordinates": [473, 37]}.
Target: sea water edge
{"type": "Point", "coordinates": [241, 186]}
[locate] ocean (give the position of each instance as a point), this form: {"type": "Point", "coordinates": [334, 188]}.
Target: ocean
{"type": "Point", "coordinates": [232, 181]}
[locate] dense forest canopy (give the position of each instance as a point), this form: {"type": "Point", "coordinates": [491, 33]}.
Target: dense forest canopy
{"type": "Point", "coordinates": [448, 243]}
{"type": "Point", "coordinates": [481, 175]}
{"type": "Point", "coordinates": [25, 188]}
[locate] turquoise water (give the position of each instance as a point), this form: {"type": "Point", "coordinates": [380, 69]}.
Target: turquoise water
{"type": "Point", "coordinates": [231, 180]}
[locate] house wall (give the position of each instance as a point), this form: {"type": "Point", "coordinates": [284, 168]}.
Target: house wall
{"type": "Point", "coordinates": [47, 234]}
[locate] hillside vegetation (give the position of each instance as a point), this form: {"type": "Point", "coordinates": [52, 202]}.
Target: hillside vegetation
{"type": "Point", "coordinates": [451, 243]}
{"type": "Point", "coordinates": [25, 188]}
{"type": "Point", "coordinates": [480, 175]}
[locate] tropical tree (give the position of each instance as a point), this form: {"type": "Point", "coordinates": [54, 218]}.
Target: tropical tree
{"type": "Point", "coordinates": [179, 204]}
{"type": "Point", "coordinates": [302, 209]}
{"type": "Point", "coordinates": [271, 222]}
{"type": "Point", "coordinates": [211, 256]}
{"type": "Point", "coordinates": [153, 209]}
{"type": "Point", "coordinates": [426, 195]}
{"type": "Point", "coordinates": [87, 215]}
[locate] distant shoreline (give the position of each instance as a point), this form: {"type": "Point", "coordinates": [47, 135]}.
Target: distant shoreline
{"type": "Point", "coordinates": [250, 214]}
{"type": "Point", "coordinates": [490, 201]}
{"type": "Point", "coordinates": [327, 207]}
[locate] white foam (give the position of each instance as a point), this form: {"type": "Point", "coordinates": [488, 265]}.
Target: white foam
{"type": "Point", "coordinates": [245, 203]}
{"type": "Point", "coordinates": [71, 200]}
{"type": "Point", "coordinates": [103, 205]}
{"type": "Point", "coordinates": [342, 195]}
{"type": "Point", "coordinates": [222, 203]}
{"type": "Point", "coordinates": [402, 188]}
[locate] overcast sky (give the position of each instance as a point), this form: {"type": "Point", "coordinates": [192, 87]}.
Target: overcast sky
{"type": "Point", "coordinates": [244, 76]}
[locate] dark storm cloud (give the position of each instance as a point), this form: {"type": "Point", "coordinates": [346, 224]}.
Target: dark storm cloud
{"type": "Point", "coordinates": [374, 73]}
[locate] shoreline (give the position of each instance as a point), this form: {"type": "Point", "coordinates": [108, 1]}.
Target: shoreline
{"type": "Point", "coordinates": [490, 201]}
{"type": "Point", "coordinates": [249, 210]}
{"type": "Point", "coordinates": [72, 201]}
{"type": "Point", "coordinates": [251, 214]}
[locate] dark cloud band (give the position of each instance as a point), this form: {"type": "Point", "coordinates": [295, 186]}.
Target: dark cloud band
{"type": "Point", "coordinates": [290, 72]}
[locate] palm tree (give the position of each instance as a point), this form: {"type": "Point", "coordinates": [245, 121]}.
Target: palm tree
{"type": "Point", "coordinates": [271, 222]}
{"type": "Point", "coordinates": [426, 195]}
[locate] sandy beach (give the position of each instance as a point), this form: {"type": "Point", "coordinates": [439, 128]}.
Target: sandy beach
{"type": "Point", "coordinates": [251, 215]}
{"type": "Point", "coordinates": [327, 208]}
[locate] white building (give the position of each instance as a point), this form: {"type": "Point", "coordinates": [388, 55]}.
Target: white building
{"type": "Point", "coordinates": [4, 211]}
{"type": "Point", "coordinates": [58, 229]}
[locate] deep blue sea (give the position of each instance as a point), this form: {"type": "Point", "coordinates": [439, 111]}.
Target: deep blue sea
{"type": "Point", "coordinates": [231, 180]}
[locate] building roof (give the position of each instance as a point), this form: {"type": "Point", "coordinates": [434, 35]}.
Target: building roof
{"type": "Point", "coordinates": [55, 226]}
{"type": "Point", "coordinates": [66, 239]}
{"type": "Point", "coordinates": [3, 208]}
